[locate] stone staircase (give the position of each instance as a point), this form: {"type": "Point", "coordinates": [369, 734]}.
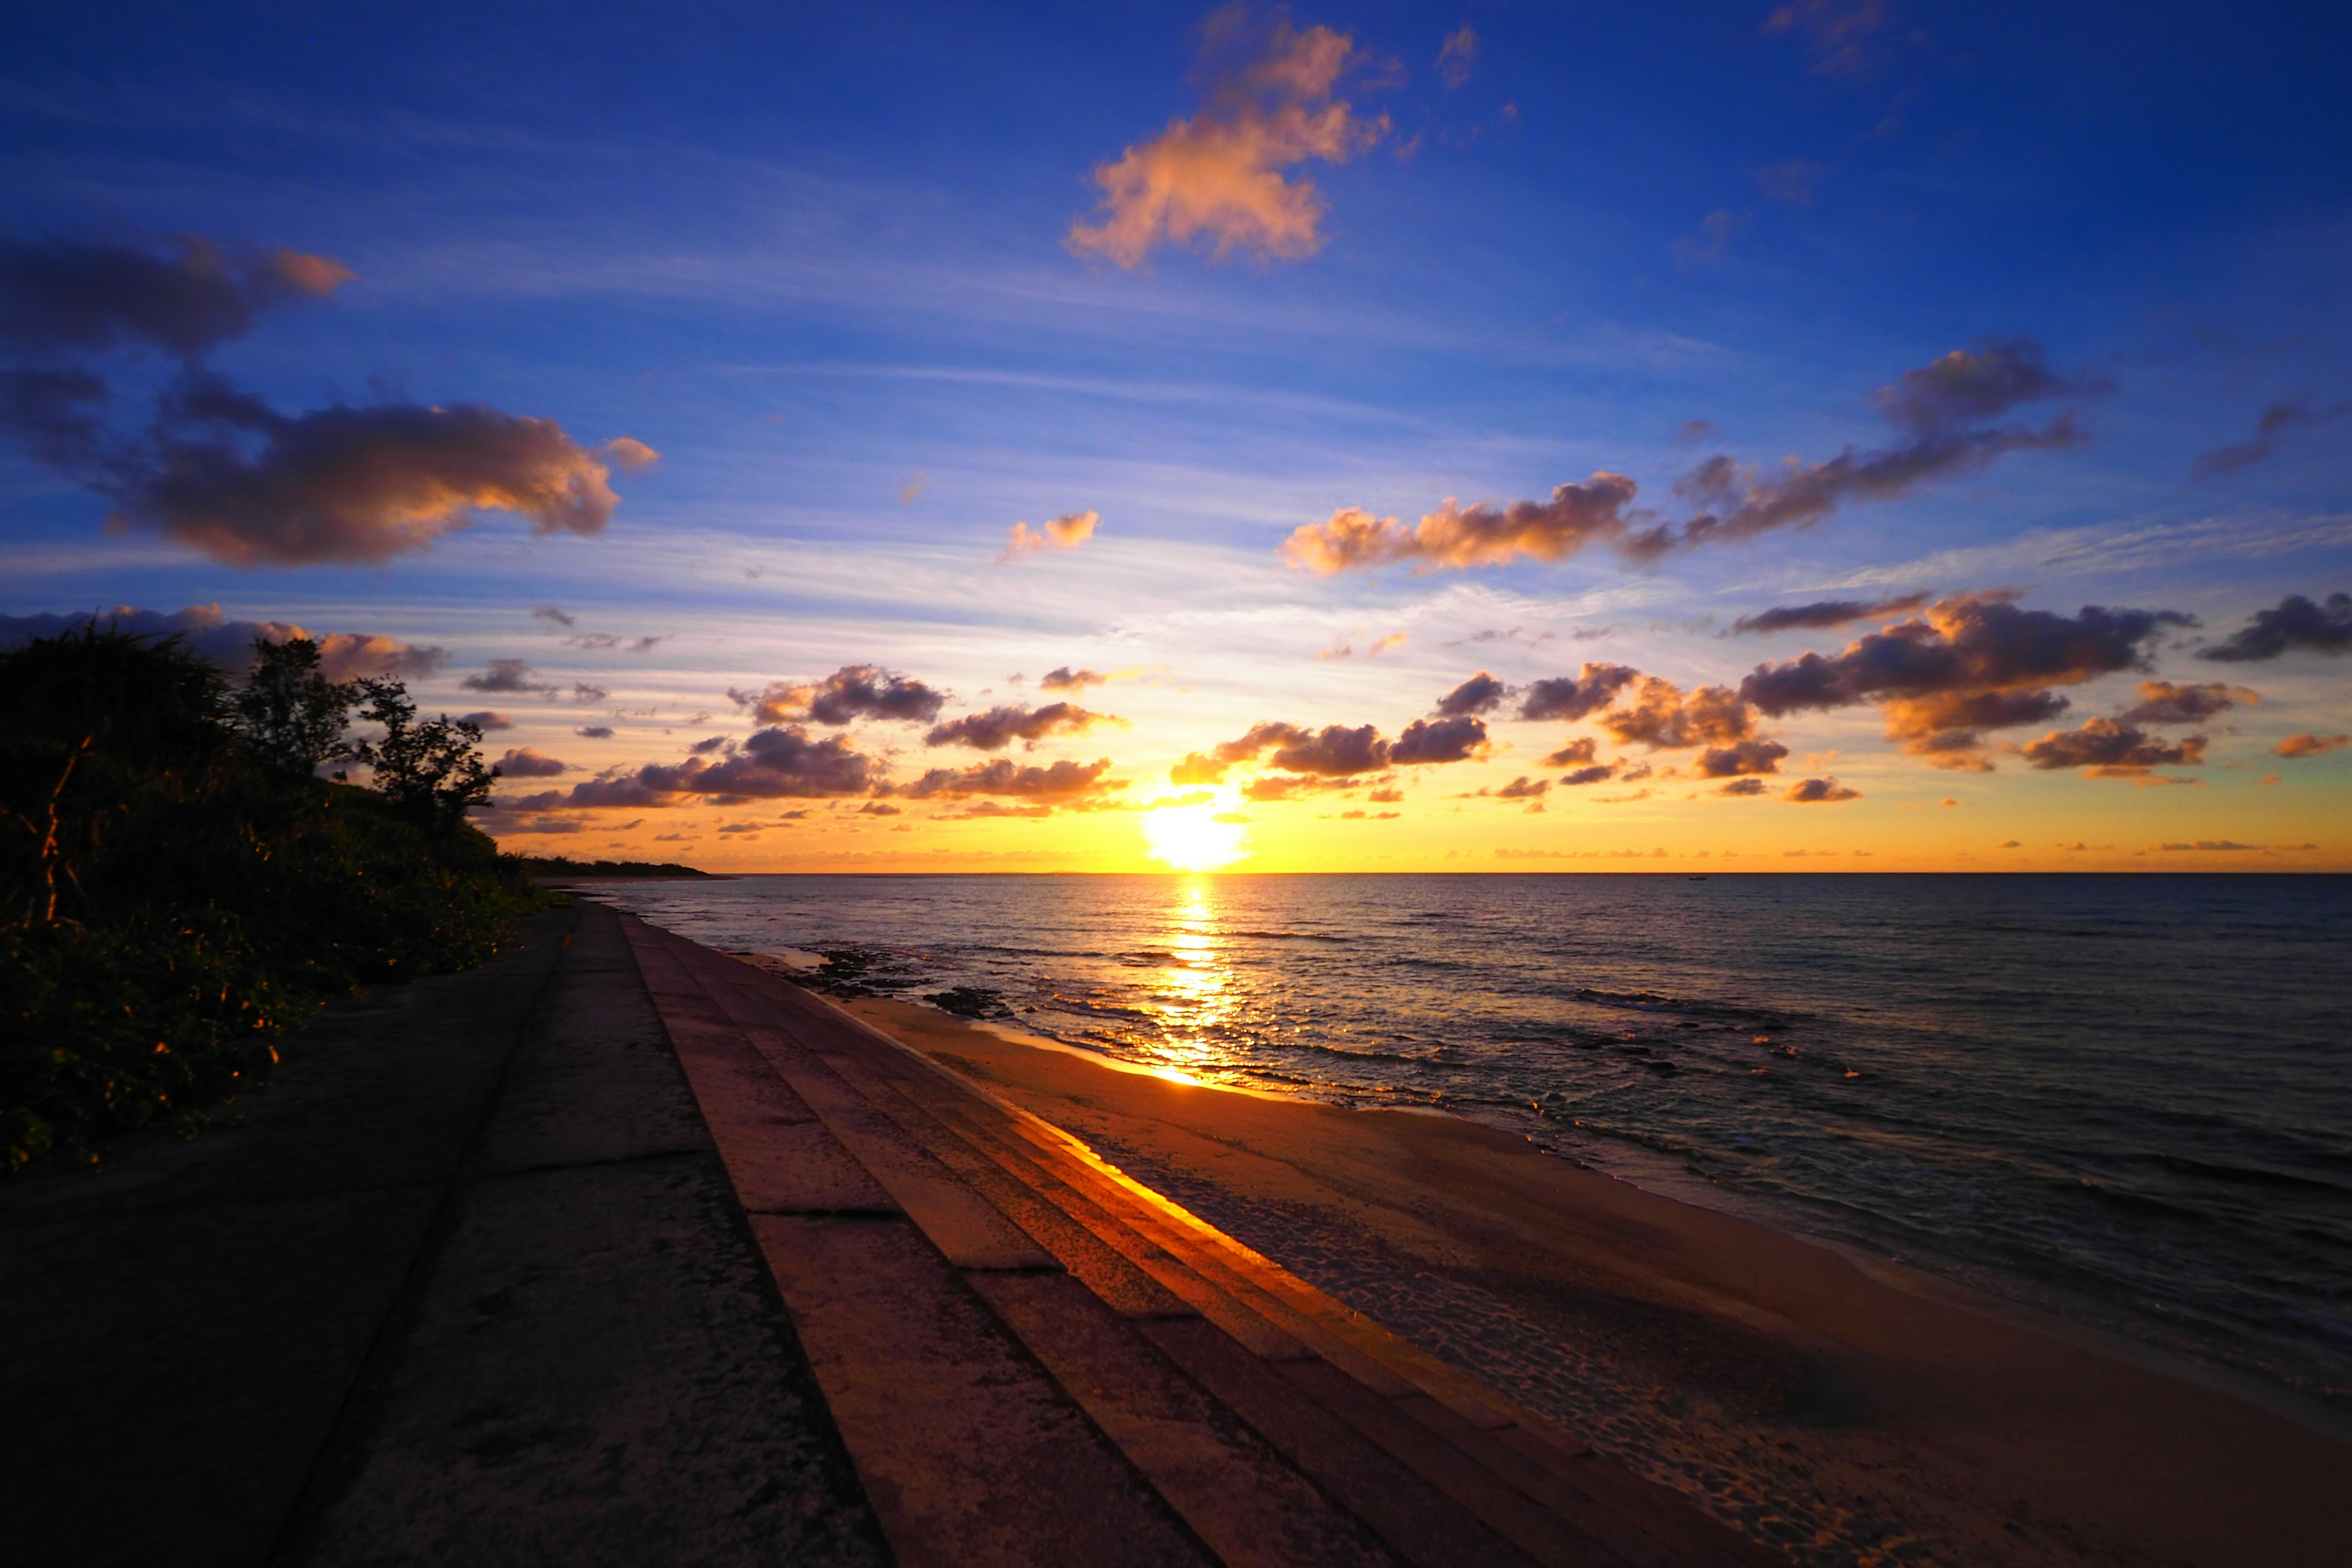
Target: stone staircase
{"type": "Point", "coordinates": [1034, 1358]}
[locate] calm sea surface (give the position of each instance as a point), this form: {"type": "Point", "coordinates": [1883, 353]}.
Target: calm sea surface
{"type": "Point", "coordinates": [2128, 1099]}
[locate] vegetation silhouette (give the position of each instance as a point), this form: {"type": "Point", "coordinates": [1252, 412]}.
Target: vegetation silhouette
{"type": "Point", "coordinates": [177, 883]}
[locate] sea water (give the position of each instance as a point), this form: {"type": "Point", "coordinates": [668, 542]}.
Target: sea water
{"type": "Point", "coordinates": [2123, 1098]}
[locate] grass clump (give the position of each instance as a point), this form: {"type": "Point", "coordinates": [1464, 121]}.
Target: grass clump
{"type": "Point", "coordinates": [177, 884]}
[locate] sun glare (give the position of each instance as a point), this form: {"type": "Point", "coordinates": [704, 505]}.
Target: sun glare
{"type": "Point", "coordinates": [1190, 838]}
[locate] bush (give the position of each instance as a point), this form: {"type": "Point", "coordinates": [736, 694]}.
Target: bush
{"type": "Point", "coordinates": [175, 893]}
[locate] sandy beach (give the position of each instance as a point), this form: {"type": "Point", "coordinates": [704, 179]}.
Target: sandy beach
{"type": "Point", "coordinates": [1878, 1414]}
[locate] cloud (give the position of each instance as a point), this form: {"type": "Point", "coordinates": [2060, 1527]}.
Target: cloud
{"type": "Point", "coordinates": [1484, 535]}
{"type": "Point", "coordinates": [1973, 662]}
{"type": "Point", "coordinates": [1068, 680]}
{"type": "Point", "coordinates": [595, 732]}
{"type": "Point", "coordinates": [508, 675]}
{"type": "Point", "coordinates": [487, 721]}
{"type": "Point", "coordinates": [1459, 54]}
{"type": "Point", "coordinates": [1942, 415]}
{"type": "Point", "coordinates": [2162, 702]}
{"type": "Point", "coordinates": [1743, 787]}
{"type": "Point", "coordinates": [773, 763]}
{"type": "Point", "coordinates": [583, 692]}
{"type": "Point", "coordinates": [1426, 742]}
{"type": "Point", "coordinates": [2311, 745]}
{"type": "Point", "coordinates": [1061, 780]}
{"type": "Point", "coordinates": [2293, 624]}
{"type": "Point", "coordinates": [997, 728]}
{"type": "Point", "coordinates": [1481, 693]}
{"type": "Point", "coordinates": [2116, 748]}
{"type": "Point", "coordinates": [522, 762]}
{"type": "Point", "coordinates": [227, 475]}
{"type": "Point", "coordinates": [1575, 696]}
{"type": "Point", "coordinates": [1791, 182]}
{"type": "Point", "coordinates": [1705, 248]}
{"type": "Point", "coordinates": [1742, 757]}
{"type": "Point", "coordinates": [852, 692]}
{"type": "Point", "coordinates": [2276, 421]}
{"type": "Point", "coordinates": [1065, 532]}
{"type": "Point", "coordinates": [1834, 31]}
{"type": "Point", "coordinates": [1821, 614]}
{"type": "Point", "coordinates": [208, 633]}
{"type": "Point", "coordinates": [195, 294]}
{"type": "Point", "coordinates": [1692, 431]}
{"type": "Point", "coordinates": [1597, 774]}
{"type": "Point", "coordinates": [705, 747]}
{"type": "Point", "coordinates": [552, 613]}
{"type": "Point", "coordinates": [1523, 788]}
{"type": "Point", "coordinates": [1815, 792]}
{"type": "Point", "coordinates": [2209, 845]}
{"type": "Point", "coordinates": [1576, 752]}
{"type": "Point", "coordinates": [1662, 718]}
{"type": "Point", "coordinates": [912, 490]}
{"type": "Point", "coordinates": [605, 642]}
{"type": "Point", "coordinates": [1216, 181]}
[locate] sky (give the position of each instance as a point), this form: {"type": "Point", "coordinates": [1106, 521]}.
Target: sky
{"type": "Point", "coordinates": [1851, 435]}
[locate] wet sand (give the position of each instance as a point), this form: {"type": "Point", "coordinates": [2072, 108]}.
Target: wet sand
{"type": "Point", "coordinates": [1851, 1410]}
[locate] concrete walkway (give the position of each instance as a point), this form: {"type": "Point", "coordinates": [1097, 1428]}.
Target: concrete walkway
{"type": "Point", "coordinates": [467, 1285]}
{"type": "Point", "coordinates": [620, 1251]}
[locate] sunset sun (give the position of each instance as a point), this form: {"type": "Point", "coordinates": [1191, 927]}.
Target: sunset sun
{"type": "Point", "coordinates": [1194, 837]}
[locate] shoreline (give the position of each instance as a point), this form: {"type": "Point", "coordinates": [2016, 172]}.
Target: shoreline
{"type": "Point", "coordinates": [1746, 1364]}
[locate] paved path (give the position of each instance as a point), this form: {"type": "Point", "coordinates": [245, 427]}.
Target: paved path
{"type": "Point", "coordinates": [1033, 1360]}
{"type": "Point", "coordinates": [622, 1251]}
{"type": "Point", "coordinates": [467, 1285]}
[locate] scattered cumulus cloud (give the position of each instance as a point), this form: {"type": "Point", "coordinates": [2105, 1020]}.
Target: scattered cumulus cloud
{"type": "Point", "coordinates": [510, 676]}
{"type": "Point", "coordinates": [2309, 745]}
{"type": "Point", "coordinates": [522, 762]}
{"type": "Point", "coordinates": [1821, 614]}
{"type": "Point", "coordinates": [996, 728]}
{"type": "Point", "coordinates": [1065, 532]}
{"type": "Point", "coordinates": [2294, 625]}
{"type": "Point", "coordinates": [1219, 181]}
{"type": "Point", "coordinates": [852, 692]}
{"type": "Point", "coordinates": [185, 296]}
{"type": "Point", "coordinates": [1819, 792]}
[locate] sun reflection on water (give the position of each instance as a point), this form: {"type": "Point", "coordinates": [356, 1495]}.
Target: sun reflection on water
{"type": "Point", "coordinates": [1194, 999]}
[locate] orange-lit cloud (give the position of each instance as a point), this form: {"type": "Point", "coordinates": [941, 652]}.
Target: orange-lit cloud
{"type": "Point", "coordinates": [1457, 57]}
{"type": "Point", "coordinates": [1818, 792]}
{"type": "Point", "coordinates": [197, 294]}
{"type": "Point", "coordinates": [1217, 181]}
{"type": "Point", "coordinates": [854, 692]}
{"type": "Point", "coordinates": [2311, 745]}
{"type": "Point", "coordinates": [1482, 535]}
{"type": "Point", "coordinates": [1065, 532]}
{"type": "Point", "coordinates": [996, 728]}
{"type": "Point", "coordinates": [2113, 749]}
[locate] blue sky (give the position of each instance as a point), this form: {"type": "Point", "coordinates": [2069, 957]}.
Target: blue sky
{"type": "Point", "coordinates": [820, 259]}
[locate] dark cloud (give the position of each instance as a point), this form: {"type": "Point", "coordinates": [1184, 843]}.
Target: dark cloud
{"type": "Point", "coordinates": [522, 762]}
{"type": "Point", "coordinates": [583, 692]}
{"type": "Point", "coordinates": [1817, 791]}
{"type": "Point", "coordinates": [1576, 752]}
{"type": "Point", "coordinates": [1743, 787]}
{"type": "Point", "coordinates": [1068, 680]}
{"type": "Point", "coordinates": [53, 414]}
{"type": "Point", "coordinates": [2276, 421]}
{"type": "Point", "coordinates": [852, 692]}
{"type": "Point", "coordinates": [1599, 773]}
{"type": "Point", "coordinates": [1481, 693]}
{"type": "Point", "coordinates": [605, 642]}
{"type": "Point", "coordinates": [1061, 780]}
{"type": "Point", "coordinates": [773, 763]}
{"type": "Point", "coordinates": [704, 747]}
{"type": "Point", "coordinates": [1944, 415]}
{"type": "Point", "coordinates": [1821, 614]}
{"type": "Point", "coordinates": [205, 631]}
{"type": "Point", "coordinates": [1661, 717]}
{"type": "Point", "coordinates": [487, 721]}
{"type": "Point", "coordinates": [2295, 624]}
{"type": "Point", "coordinates": [2295, 746]}
{"type": "Point", "coordinates": [1429, 742]}
{"type": "Point", "coordinates": [997, 728]}
{"type": "Point", "coordinates": [2162, 702]}
{"type": "Point", "coordinates": [67, 296]}
{"type": "Point", "coordinates": [552, 613]}
{"type": "Point", "coordinates": [1333, 752]}
{"type": "Point", "coordinates": [1739, 758]}
{"type": "Point", "coordinates": [2104, 743]}
{"type": "Point", "coordinates": [1575, 696]}
{"type": "Point", "coordinates": [595, 732]}
{"type": "Point", "coordinates": [225, 475]}
{"type": "Point", "coordinates": [1523, 788]}
{"type": "Point", "coordinates": [1973, 662]}
{"type": "Point", "coordinates": [512, 675]}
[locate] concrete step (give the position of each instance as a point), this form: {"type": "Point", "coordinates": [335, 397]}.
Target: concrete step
{"type": "Point", "coordinates": [1280, 1424]}
{"type": "Point", "coordinates": [968, 1447]}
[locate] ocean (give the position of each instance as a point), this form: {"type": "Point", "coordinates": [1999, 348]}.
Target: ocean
{"type": "Point", "coordinates": [2125, 1099]}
